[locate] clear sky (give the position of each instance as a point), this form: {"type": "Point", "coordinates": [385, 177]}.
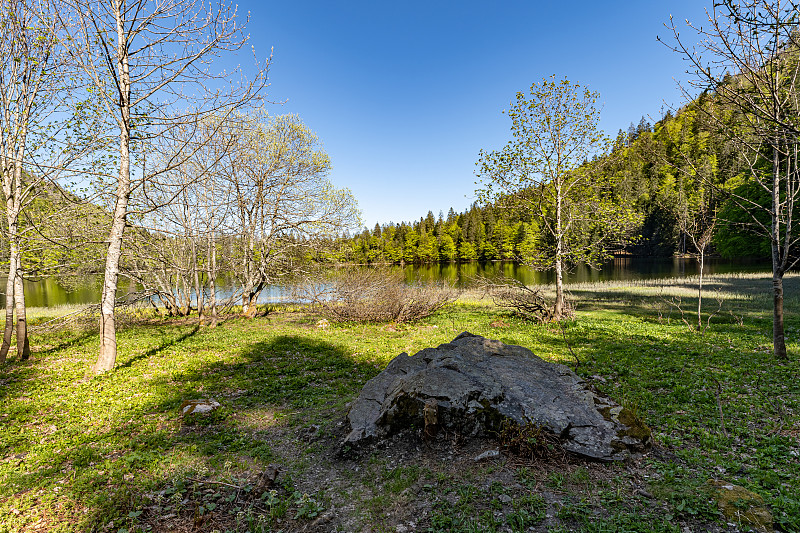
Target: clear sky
{"type": "Point", "coordinates": [403, 95]}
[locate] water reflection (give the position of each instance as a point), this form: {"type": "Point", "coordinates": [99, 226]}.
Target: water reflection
{"type": "Point", "coordinates": [617, 269]}
{"type": "Point", "coordinates": [54, 291]}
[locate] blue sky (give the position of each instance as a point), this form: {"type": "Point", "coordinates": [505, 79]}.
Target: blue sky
{"type": "Point", "coordinates": [404, 95]}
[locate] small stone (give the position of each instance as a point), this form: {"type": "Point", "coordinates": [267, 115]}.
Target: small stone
{"type": "Point", "coordinates": [488, 454]}
{"type": "Point", "coordinates": [266, 480]}
{"type": "Point", "coordinates": [505, 498]}
{"type": "Point", "coordinates": [203, 406]}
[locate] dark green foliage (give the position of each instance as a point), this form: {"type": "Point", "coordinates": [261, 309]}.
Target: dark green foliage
{"type": "Point", "coordinates": [733, 238]}
{"type": "Point", "coordinates": [659, 170]}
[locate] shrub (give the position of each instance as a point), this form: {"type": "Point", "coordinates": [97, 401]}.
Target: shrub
{"type": "Point", "coordinates": [374, 295]}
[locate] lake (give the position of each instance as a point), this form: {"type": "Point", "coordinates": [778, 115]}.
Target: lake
{"type": "Point", "coordinates": [50, 292]}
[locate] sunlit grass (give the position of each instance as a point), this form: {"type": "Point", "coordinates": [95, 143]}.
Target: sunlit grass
{"type": "Point", "coordinates": [80, 452]}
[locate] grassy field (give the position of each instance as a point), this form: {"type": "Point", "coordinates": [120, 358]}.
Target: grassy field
{"type": "Point", "coordinates": [112, 453]}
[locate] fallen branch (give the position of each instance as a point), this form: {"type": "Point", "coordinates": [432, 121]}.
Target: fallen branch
{"type": "Point", "coordinates": [214, 483]}
{"type": "Point", "coordinates": [524, 301]}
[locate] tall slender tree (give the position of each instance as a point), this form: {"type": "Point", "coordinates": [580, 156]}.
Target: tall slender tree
{"type": "Point", "coordinates": [150, 64]}
{"type": "Point", "coordinates": [30, 87]}
{"type": "Point", "coordinates": [748, 56]}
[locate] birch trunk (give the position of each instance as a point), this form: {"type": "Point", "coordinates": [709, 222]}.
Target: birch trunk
{"type": "Point", "coordinates": [197, 288]}
{"type": "Point", "coordinates": [9, 326]}
{"type": "Point", "coordinates": [212, 280]}
{"type": "Point", "coordinates": [108, 331]}
{"type": "Point", "coordinates": [558, 308]}
{"type": "Point", "coordinates": [700, 291]}
{"type": "Point", "coordinates": [23, 346]}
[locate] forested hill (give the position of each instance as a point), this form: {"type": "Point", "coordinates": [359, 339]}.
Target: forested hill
{"type": "Point", "coordinates": [663, 171]}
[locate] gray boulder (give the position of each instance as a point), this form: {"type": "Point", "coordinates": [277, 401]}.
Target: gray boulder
{"type": "Point", "coordinates": [472, 384]}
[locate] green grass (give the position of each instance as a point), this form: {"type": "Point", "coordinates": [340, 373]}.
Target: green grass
{"type": "Point", "coordinates": [111, 453]}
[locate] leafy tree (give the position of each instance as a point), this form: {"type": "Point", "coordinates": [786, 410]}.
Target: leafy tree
{"type": "Point", "coordinates": [735, 236]}
{"type": "Point", "coordinates": [410, 243]}
{"type": "Point", "coordinates": [447, 249]}
{"type": "Point", "coordinates": [282, 201]}
{"type": "Point", "coordinates": [32, 73]}
{"type": "Point", "coordinates": [427, 248]}
{"type": "Point", "coordinates": [467, 251]}
{"type": "Point", "coordinates": [555, 129]}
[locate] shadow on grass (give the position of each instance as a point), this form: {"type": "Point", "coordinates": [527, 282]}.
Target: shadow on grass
{"type": "Point", "coordinates": [79, 474]}
{"type": "Point", "coordinates": [15, 370]}
{"type": "Point", "coordinates": [158, 349]}
{"type": "Point", "coordinates": [730, 299]}
{"type": "Point", "coordinates": [69, 342]}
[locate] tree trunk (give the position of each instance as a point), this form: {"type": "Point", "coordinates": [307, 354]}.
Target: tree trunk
{"type": "Point", "coordinates": [558, 308]}
{"type": "Point", "coordinates": [108, 331]}
{"type": "Point", "coordinates": [249, 304]}
{"type": "Point", "coordinates": [197, 289]}
{"type": "Point", "coordinates": [778, 338]}
{"type": "Point", "coordinates": [9, 326]}
{"type": "Point", "coordinates": [212, 281]}
{"type": "Point", "coordinates": [249, 299]}
{"type": "Point", "coordinates": [23, 346]}
{"type": "Point", "coordinates": [701, 259]}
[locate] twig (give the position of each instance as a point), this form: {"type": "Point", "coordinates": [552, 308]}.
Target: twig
{"type": "Point", "coordinates": [215, 483]}
{"type": "Point", "coordinates": [121, 302]}
{"type": "Point", "coordinates": [720, 301]}
{"type": "Point", "coordinates": [717, 394]}
{"type": "Point", "coordinates": [569, 347]}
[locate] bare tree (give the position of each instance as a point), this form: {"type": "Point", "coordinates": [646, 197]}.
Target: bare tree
{"type": "Point", "coordinates": [149, 62]}
{"type": "Point", "coordinates": [172, 250]}
{"type": "Point", "coordinates": [747, 56]}
{"type": "Point", "coordinates": [541, 170]}
{"type": "Point", "coordinates": [697, 222]}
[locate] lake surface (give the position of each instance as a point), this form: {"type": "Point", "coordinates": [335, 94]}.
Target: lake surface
{"type": "Point", "coordinates": [617, 269]}
{"type": "Point", "coordinates": [50, 292]}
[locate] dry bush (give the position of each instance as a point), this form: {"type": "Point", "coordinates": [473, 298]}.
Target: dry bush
{"type": "Point", "coordinates": [530, 441]}
{"type": "Point", "coordinates": [373, 295]}
{"type": "Point", "coordinates": [524, 301]}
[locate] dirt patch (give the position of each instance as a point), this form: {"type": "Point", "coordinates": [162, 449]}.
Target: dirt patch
{"type": "Point", "coordinates": [411, 482]}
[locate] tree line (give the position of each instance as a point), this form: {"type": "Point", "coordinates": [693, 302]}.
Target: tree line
{"type": "Point", "coordinates": [658, 170]}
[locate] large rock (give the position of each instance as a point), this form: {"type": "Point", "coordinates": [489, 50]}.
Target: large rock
{"type": "Point", "coordinates": [472, 384]}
